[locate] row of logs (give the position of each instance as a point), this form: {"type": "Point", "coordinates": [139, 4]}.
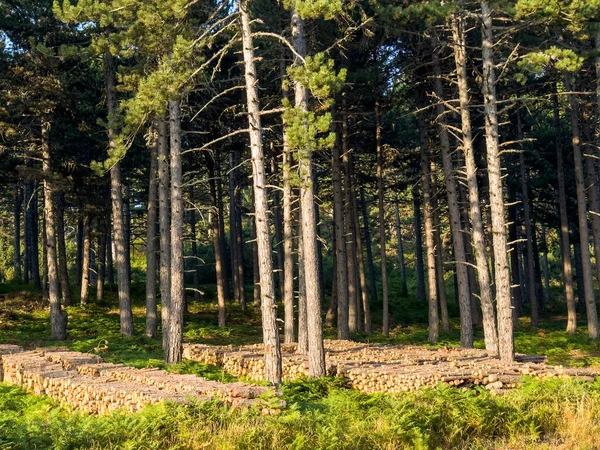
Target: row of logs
{"type": "Point", "coordinates": [384, 368]}
{"type": "Point", "coordinates": [88, 384]}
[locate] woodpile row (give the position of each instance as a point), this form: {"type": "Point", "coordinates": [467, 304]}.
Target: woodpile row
{"type": "Point", "coordinates": [7, 349]}
{"type": "Point", "coordinates": [383, 368]}
{"type": "Point", "coordinates": [88, 384]}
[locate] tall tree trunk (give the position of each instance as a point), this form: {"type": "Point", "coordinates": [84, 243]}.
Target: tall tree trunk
{"type": "Point", "coordinates": [221, 217]}
{"type": "Point", "coordinates": [173, 349]}
{"type": "Point", "coordinates": [256, 269]}
{"type": "Point", "coordinates": [17, 236]}
{"type": "Point", "coordinates": [369, 246]}
{"type": "Point", "coordinates": [164, 213]}
{"type": "Point", "coordinates": [502, 274]}
{"type": "Point", "coordinates": [584, 237]}
{"type": "Point", "coordinates": [261, 208]}
{"type": "Point", "coordinates": [27, 191]}
{"type": "Point", "coordinates": [125, 314]}
{"type": "Point", "coordinates": [302, 305]}
{"type": "Point", "coordinates": [515, 255]}
{"type": "Point", "coordinates": [217, 239]}
{"type": "Point", "coordinates": [127, 222]}
{"type": "Point", "coordinates": [545, 267]}
{"type": "Point", "coordinates": [464, 295]}
{"type": "Point", "coordinates": [151, 244]}
{"type": "Point", "coordinates": [58, 317]}
{"type": "Point", "coordinates": [35, 243]}
{"type": "Point", "coordinates": [288, 236]}
{"type": "Point", "coordinates": [341, 265]}
{"type": "Point", "coordinates": [533, 301]}
{"type": "Point", "coordinates": [278, 225]}
{"type": "Point", "coordinates": [564, 226]}
{"type": "Point", "coordinates": [215, 213]}
{"type": "Point", "coordinates": [110, 274]}
{"type": "Point", "coordinates": [400, 250]}
{"type": "Point", "coordinates": [419, 269]}
{"type": "Point", "coordinates": [367, 323]}
{"type": "Point", "coordinates": [439, 255]}
{"type": "Point", "coordinates": [100, 261]}
{"type": "Point", "coordinates": [316, 351]}
{"type": "Point", "coordinates": [63, 269]}
{"type": "Point", "coordinates": [331, 315]}
{"type": "Point", "coordinates": [86, 260]}
{"type": "Point", "coordinates": [384, 280]}
{"type": "Point", "coordinates": [432, 297]}
{"type": "Point", "coordinates": [350, 238]}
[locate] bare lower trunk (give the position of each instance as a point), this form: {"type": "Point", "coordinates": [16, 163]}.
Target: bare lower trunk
{"type": "Point", "coordinates": [85, 260]}
{"type": "Point", "coordinates": [63, 269]}
{"type": "Point", "coordinates": [110, 273]}
{"type": "Point", "coordinates": [545, 267]}
{"type": "Point", "coordinates": [116, 186]}
{"type": "Point", "coordinates": [288, 260]}
{"type": "Point", "coordinates": [533, 300]}
{"type": "Point", "coordinates": [217, 238]}
{"type": "Point", "coordinates": [419, 269]}
{"type": "Point", "coordinates": [350, 239]}
{"type": "Point", "coordinates": [384, 280]}
{"type": "Point", "coordinates": [173, 348]}
{"type": "Point", "coordinates": [35, 248]}
{"type": "Point", "coordinates": [464, 296]}
{"type": "Point", "coordinates": [439, 258]}
{"type": "Point", "coordinates": [400, 250]}
{"type": "Point", "coordinates": [369, 246]}
{"type": "Point", "coordinates": [164, 212]}
{"type": "Point", "coordinates": [434, 321]}
{"type": "Point", "coordinates": [194, 236]}
{"type": "Point", "coordinates": [564, 227]}
{"type": "Point", "coordinates": [316, 351]}
{"type": "Point", "coordinates": [302, 312]}
{"type": "Point", "coordinates": [261, 208]}
{"type": "Point", "coordinates": [151, 243]}
{"type": "Point", "coordinates": [589, 157]}
{"type": "Point", "coordinates": [58, 317]}
{"type": "Point", "coordinates": [100, 261]}
{"type": "Point", "coordinates": [341, 265]}
{"type": "Point", "coordinates": [502, 278]}
{"type": "Point", "coordinates": [367, 323]}
{"type": "Point", "coordinates": [477, 231]}
{"type": "Point", "coordinates": [17, 236]}
{"type": "Point", "coordinates": [584, 236]}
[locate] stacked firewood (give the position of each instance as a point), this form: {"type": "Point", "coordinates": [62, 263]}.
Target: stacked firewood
{"type": "Point", "coordinates": [7, 349]}
{"type": "Point", "coordinates": [382, 368]}
{"type": "Point", "coordinates": [88, 384]}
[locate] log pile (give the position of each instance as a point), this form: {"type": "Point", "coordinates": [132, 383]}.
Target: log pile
{"type": "Point", "coordinates": [86, 383]}
{"type": "Point", "coordinates": [7, 349]}
{"type": "Point", "coordinates": [383, 368]}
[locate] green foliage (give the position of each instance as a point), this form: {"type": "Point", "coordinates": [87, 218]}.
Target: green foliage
{"type": "Point", "coordinates": [563, 60]}
{"type": "Point", "coordinates": [313, 9]}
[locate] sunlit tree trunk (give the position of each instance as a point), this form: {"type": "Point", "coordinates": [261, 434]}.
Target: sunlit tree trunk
{"type": "Point", "coordinates": [502, 274]}
{"type": "Point", "coordinates": [58, 317]}
{"type": "Point", "coordinates": [261, 208]}
{"type": "Point", "coordinates": [151, 262]}
{"type": "Point", "coordinates": [116, 185]}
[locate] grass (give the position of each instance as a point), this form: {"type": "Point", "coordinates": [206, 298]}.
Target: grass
{"type": "Point", "coordinates": [321, 414]}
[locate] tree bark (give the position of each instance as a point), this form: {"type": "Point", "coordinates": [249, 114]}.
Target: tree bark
{"type": "Point", "coordinates": [288, 257]}
{"type": "Point", "coordinates": [116, 185]}
{"type": "Point", "coordinates": [173, 349]}
{"type": "Point", "coordinates": [27, 191]}
{"type": "Point", "coordinates": [164, 213]}
{"type": "Point", "coordinates": [194, 235]}
{"type": "Point", "coordinates": [217, 239]}
{"type": "Point", "coordinates": [302, 304]}
{"type": "Point", "coordinates": [151, 247]}
{"type": "Point", "coordinates": [17, 237]}
{"type": "Point", "coordinates": [584, 238]}
{"type": "Point", "coordinates": [533, 301]}
{"type": "Point", "coordinates": [432, 296]}
{"type": "Point", "coordinates": [367, 322]}
{"type": "Point", "coordinates": [110, 274]}
{"type": "Point", "coordinates": [341, 265]}
{"type": "Point", "coordinates": [58, 317]}
{"type": "Point", "coordinates": [419, 269]}
{"type": "Point", "coordinates": [261, 208]}
{"type": "Point", "coordinates": [369, 246]}
{"type": "Point", "coordinates": [63, 268]}
{"type": "Point", "coordinates": [349, 232]}
{"type": "Point", "coordinates": [400, 250]}
{"type": "Point", "coordinates": [316, 351]}
{"type": "Point", "coordinates": [35, 247]}
{"type": "Point", "coordinates": [564, 226]}
{"type": "Point", "coordinates": [86, 259]}
{"type": "Point", "coordinates": [100, 261]}
{"type": "Point", "coordinates": [464, 295]}
{"type": "Point", "coordinates": [384, 280]}
{"type": "Point", "coordinates": [502, 278]}
{"type": "Point", "coordinates": [439, 253]}
{"type": "Point", "coordinates": [477, 231]}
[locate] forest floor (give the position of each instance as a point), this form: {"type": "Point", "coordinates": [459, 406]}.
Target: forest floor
{"type": "Point", "coordinates": [320, 414]}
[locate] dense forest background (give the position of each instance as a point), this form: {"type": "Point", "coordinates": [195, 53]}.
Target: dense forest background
{"type": "Point", "coordinates": [358, 164]}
